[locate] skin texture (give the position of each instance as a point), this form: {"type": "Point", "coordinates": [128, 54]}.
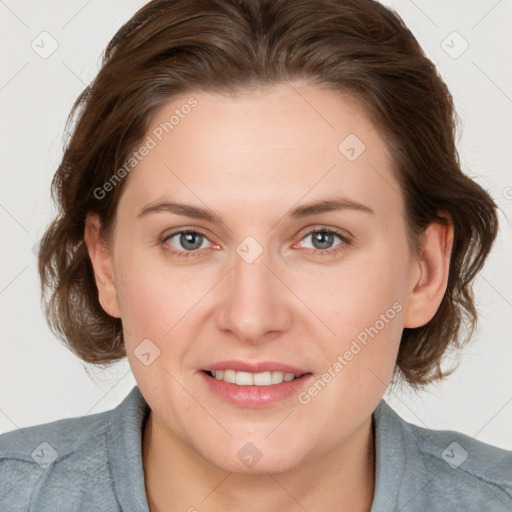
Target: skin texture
{"type": "Point", "coordinates": [250, 159]}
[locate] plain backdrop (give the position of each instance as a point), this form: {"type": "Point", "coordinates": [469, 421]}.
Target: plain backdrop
{"type": "Point", "coordinates": [41, 381]}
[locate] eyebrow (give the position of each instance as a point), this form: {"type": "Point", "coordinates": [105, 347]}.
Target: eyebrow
{"type": "Point", "coordinates": [313, 208]}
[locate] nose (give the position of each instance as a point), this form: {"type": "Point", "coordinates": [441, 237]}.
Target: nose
{"type": "Point", "coordinates": [256, 305]}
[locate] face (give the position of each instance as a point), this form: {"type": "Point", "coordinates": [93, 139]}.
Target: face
{"type": "Point", "coordinates": [266, 280]}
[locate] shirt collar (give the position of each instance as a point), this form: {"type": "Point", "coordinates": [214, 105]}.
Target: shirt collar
{"type": "Point", "coordinates": [125, 444]}
{"type": "Point", "coordinates": [400, 473]}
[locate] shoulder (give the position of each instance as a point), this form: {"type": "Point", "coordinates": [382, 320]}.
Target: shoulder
{"type": "Point", "coordinates": [62, 460]}
{"type": "Point", "coordinates": [450, 470]}
{"type": "Point", "coordinates": [467, 462]}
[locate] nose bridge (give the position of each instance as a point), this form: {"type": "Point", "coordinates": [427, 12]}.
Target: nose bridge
{"type": "Point", "coordinates": [255, 299]}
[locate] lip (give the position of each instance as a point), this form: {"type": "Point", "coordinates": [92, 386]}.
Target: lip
{"type": "Point", "coordinates": [256, 367]}
{"type": "Point", "coordinates": [255, 397]}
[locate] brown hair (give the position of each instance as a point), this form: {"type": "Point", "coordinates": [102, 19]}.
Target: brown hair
{"type": "Point", "coordinates": [357, 47]}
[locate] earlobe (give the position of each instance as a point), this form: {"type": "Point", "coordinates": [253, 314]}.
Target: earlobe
{"type": "Point", "coordinates": [427, 290]}
{"type": "Point", "coordinates": [101, 261]}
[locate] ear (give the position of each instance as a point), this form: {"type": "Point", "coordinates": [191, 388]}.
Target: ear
{"type": "Point", "coordinates": [429, 278]}
{"type": "Point", "coordinates": [102, 264]}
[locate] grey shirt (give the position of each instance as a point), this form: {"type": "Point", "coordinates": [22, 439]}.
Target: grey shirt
{"type": "Point", "coordinates": [94, 463]}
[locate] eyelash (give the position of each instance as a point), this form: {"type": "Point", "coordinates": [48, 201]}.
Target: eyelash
{"type": "Point", "coordinates": [322, 229]}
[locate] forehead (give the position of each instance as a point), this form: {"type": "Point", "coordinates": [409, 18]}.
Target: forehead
{"type": "Point", "coordinates": [261, 149]}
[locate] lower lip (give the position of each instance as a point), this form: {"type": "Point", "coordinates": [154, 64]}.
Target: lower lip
{"type": "Point", "coordinates": [255, 396]}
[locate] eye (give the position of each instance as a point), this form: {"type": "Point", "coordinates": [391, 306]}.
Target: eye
{"type": "Point", "coordinates": [185, 242]}
{"type": "Point", "coordinates": [189, 242]}
{"type": "Point", "coordinates": [323, 238]}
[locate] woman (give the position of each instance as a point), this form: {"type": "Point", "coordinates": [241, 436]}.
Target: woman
{"type": "Point", "coordinates": [262, 207]}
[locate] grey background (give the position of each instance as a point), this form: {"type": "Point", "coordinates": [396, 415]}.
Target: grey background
{"type": "Point", "coordinates": [42, 381]}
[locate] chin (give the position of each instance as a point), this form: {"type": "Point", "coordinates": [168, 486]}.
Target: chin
{"type": "Point", "coordinates": [254, 458]}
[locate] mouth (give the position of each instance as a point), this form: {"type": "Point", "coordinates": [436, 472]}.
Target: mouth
{"type": "Point", "coordinates": [254, 384]}
{"type": "Point", "coordinates": [255, 389]}
{"type": "Point", "coordinates": [242, 378]}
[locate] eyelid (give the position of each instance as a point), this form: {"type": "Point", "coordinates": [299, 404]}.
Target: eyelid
{"type": "Point", "coordinates": [177, 231]}
{"type": "Point", "coordinates": [342, 233]}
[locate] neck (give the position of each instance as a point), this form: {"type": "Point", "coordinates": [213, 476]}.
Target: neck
{"type": "Point", "coordinates": [178, 478]}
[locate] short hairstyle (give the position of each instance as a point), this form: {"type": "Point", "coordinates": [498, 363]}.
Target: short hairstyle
{"type": "Point", "coordinates": [357, 47]}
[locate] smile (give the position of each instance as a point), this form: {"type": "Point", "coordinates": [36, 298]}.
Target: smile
{"type": "Point", "coordinates": [253, 379]}
{"type": "Point", "coordinates": [253, 390]}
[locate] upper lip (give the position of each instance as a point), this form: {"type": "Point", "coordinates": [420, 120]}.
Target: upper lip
{"type": "Point", "coordinates": [256, 367]}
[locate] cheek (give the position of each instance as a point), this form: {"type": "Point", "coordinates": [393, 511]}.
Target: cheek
{"type": "Point", "coordinates": [355, 293]}
{"type": "Point", "coordinates": [160, 301]}
{"type": "Point", "coordinates": [362, 304]}
{"type": "Point", "coordinates": [148, 299]}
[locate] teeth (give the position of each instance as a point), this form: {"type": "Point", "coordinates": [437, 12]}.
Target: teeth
{"type": "Point", "coordinates": [253, 379]}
